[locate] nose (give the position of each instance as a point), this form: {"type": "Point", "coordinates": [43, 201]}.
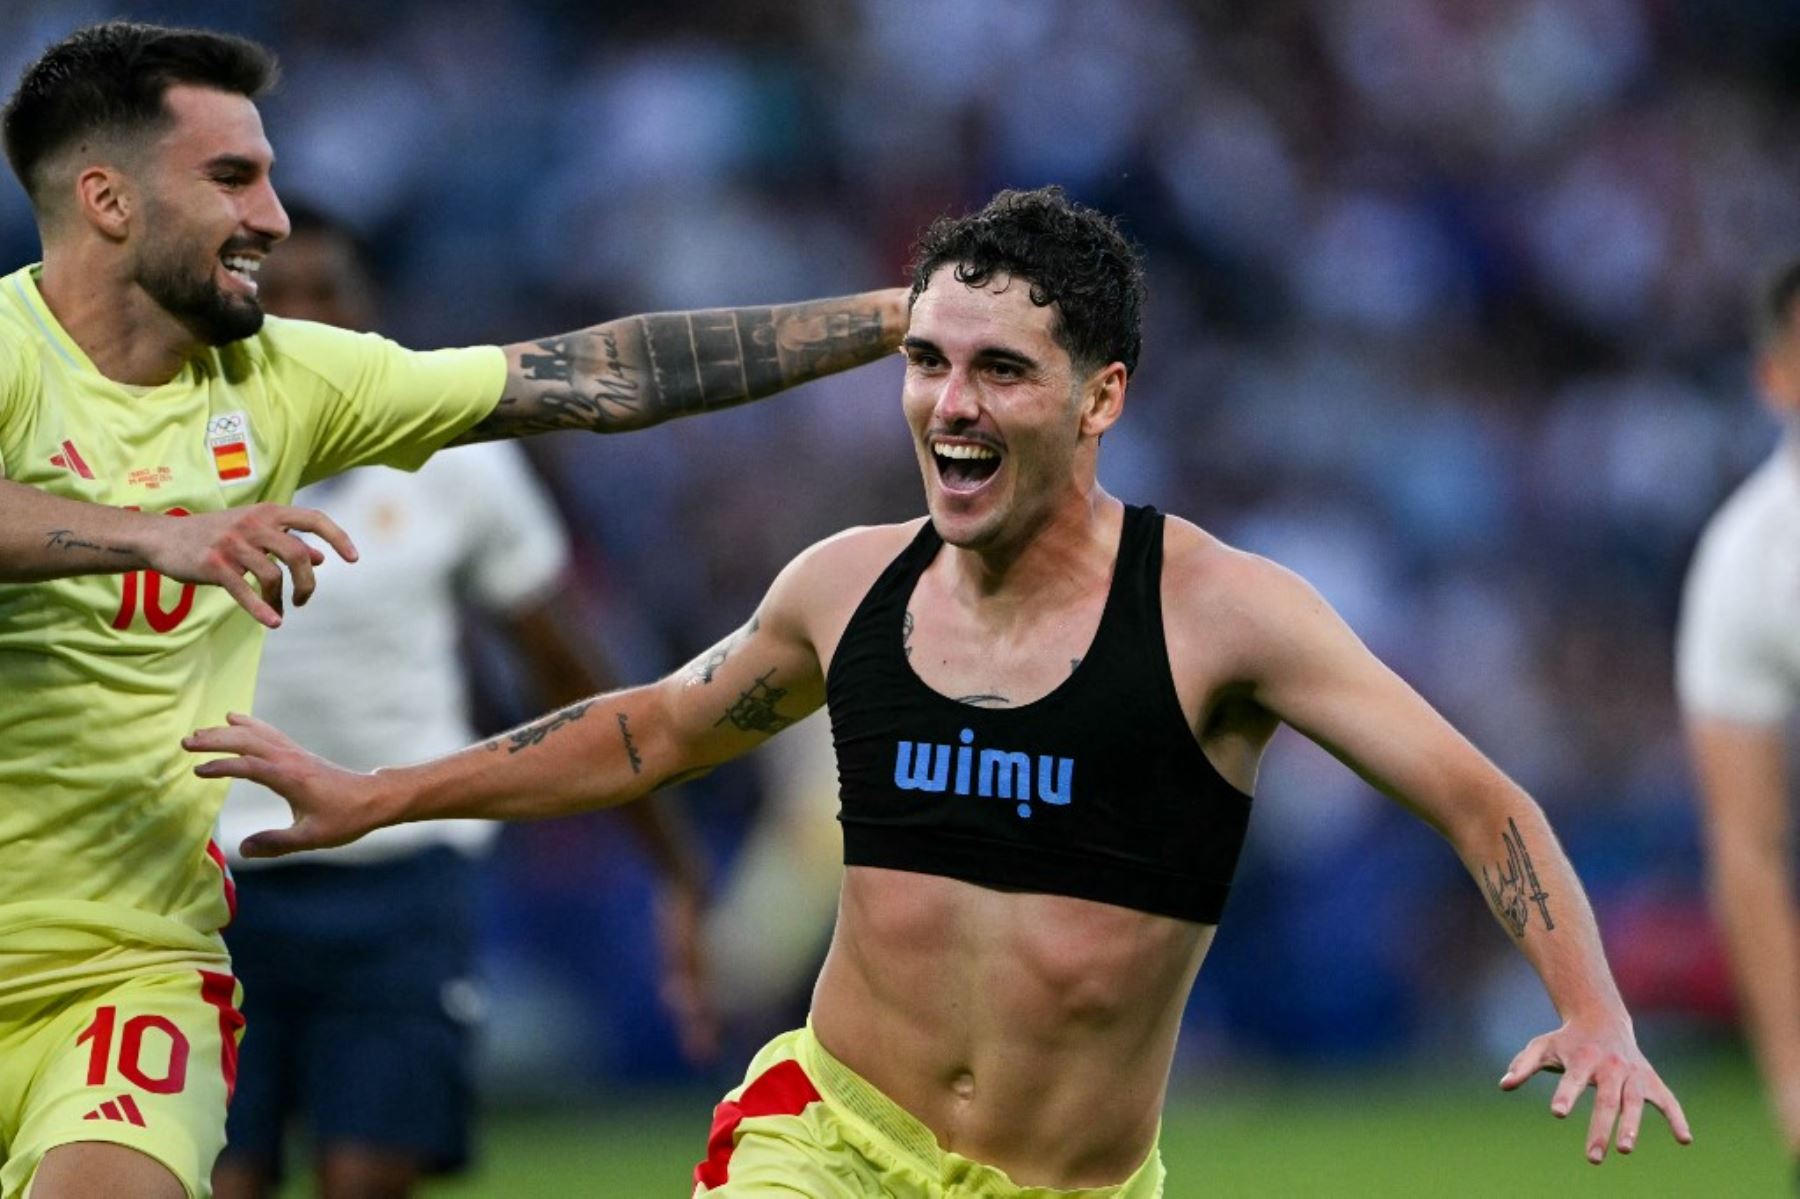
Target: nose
{"type": "Point", "coordinates": [957, 403]}
{"type": "Point", "coordinates": [266, 215]}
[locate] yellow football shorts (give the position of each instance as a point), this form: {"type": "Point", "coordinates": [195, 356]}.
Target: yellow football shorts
{"type": "Point", "coordinates": [149, 1063]}
{"type": "Point", "coordinates": [804, 1126]}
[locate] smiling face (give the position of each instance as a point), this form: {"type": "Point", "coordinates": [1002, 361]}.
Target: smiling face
{"type": "Point", "coordinates": [209, 214]}
{"type": "Point", "coordinates": [1003, 421]}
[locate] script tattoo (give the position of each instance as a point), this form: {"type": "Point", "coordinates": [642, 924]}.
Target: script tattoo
{"type": "Point", "coordinates": [1514, 886]}
{"type": "Point", "coordinates": [637, 763]}
{"type": "Point", "coordinates": [754, 711]}
{"type": "Point", "coordinates": [65, 539]}
{"type": "Point", "coordinates": [701, 670]}
{"type": "Point", "coordinates": [534, 733]}
{"type": "Point", "coordinates": [642, 370]}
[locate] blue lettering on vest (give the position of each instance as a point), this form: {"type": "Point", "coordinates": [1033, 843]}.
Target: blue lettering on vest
{"type": "Point", "coordinates": [998, 773]}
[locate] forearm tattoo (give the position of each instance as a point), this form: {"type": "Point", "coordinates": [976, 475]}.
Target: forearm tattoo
{"type": "Point", "coordinates": [637, 763]}
{"type": "Point", "coordinates": [65, 539]}
{"type": "Point", "coordinates": [1513, 886]}
{"type": "Point", "coordinates": [526, 736]}
{"type": "Point", "coordinates": [643, 370]}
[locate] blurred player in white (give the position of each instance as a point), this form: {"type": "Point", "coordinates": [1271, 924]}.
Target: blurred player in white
{"type": "Point", "coordinates": [1738, 674]}
{"type": "Point", "coordinates": [358, 962]}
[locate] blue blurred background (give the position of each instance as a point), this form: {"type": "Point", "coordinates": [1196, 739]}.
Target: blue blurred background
{"type": "Point", "coordinates": [1448, 311]}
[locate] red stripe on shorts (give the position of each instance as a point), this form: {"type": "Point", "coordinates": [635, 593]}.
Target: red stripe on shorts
{"type": "Point", "coordinates": [218, 856]}
{"type": "Point", "coordinates": [218, 990]}
{"type": "Point", "coordinates": [781, 1090]}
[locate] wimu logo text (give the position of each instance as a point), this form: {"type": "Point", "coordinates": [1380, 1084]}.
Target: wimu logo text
{"type": "Point", "coordinates": [985, 773]}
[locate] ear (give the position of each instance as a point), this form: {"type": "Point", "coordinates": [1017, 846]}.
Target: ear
{"type": "Point", "coordinates": [1103, 399]}
{"type": "Point", "coordinates": [106, 200]}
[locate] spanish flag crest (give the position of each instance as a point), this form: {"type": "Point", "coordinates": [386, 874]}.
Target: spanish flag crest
{"type": "Point", "coordinates": [228, 437]}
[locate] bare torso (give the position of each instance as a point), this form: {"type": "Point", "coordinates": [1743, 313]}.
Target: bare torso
{"type": "Point", "coordinates": [1031, 1032]}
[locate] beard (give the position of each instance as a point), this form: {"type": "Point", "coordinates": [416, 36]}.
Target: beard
{"type": "Point", "coordinates": [191, 297]}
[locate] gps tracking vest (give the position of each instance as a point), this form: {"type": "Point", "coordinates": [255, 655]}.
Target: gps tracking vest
{"type": "Point", "coordinates": [1098, 790]}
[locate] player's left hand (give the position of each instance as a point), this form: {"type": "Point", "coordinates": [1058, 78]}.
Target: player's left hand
{"type": "Point", "coordinates": [1604, 1054]}
{"type": "Point", "coordinates": [332, 806]}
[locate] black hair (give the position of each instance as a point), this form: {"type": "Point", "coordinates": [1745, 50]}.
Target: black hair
{"type": "Point", "coordinates": [305, 217]}
{"type": "Point", "coordinates": [1072, 256]}
{"type": "Point", "coordinates": [111, 79]}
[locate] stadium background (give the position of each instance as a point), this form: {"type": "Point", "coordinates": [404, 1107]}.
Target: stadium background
{"type": "Point", "coordinates": [1447, 312]}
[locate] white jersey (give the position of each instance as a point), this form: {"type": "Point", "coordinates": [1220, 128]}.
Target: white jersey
{"type": "Point", "coordinates": [367, 674]}
{"type": "Point", "coordinates": [1738, 650]}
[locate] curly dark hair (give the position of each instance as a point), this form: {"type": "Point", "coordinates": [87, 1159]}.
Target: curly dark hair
{"type": "Point", "coordinates": [111, 78]}
{"type": "Point", "coordinates": [1073, 257]}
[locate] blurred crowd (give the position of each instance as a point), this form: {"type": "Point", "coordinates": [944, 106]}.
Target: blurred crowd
{"type": "Point", "coordinates": [1448, 311]}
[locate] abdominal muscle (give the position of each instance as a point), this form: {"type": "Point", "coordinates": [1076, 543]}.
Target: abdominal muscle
{"type": "Point", "coordinates": [1029, 1032]}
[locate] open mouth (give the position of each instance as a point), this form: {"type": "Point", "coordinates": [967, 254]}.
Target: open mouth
{"type": "Point", "coordinates": [964, 466]}
{"type": "Point", "coordinates": [241, 269]}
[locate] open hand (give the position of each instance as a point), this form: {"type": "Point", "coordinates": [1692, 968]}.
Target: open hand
{"type": "Point", "coordinates": [331, 805]}
{"type": "Point", "coordinates": [220, 548]}
{"type": "Point", "coordinates": [1606, 1055]}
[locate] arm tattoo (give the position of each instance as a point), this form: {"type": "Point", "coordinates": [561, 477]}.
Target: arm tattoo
{"type": "Point", "coordinates": [637, 763]}
{"type": "Point", "coordinates": [906, 632]}
{"type": "Point", "coordinates": [65, 539]}
{"type": "Point", "coordinates": [1514, 886]}
{"type": "Point", "coordinates": [985, 701]}
{"type": "Point", "coordinates": [754, 711]}
{"type": "Point", "coordinates": [701, 670]}
{"type": "Point", "coordinates": [532, 734]}
{"type": "Point", "coordinates": [642, 370]}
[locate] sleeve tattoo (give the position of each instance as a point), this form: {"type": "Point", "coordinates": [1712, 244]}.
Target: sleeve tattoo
{"type": "Point", "coordinates": [643, 370]}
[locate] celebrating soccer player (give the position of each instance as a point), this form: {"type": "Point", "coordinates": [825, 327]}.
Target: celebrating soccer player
{"type": "Point", "coordinates": [1049, 709]}
{"type": "Point", "coordinates": [152, 428]}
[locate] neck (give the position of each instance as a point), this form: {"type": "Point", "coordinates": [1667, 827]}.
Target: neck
{"type": "Point", "coordinates": [126, 335]}
{"type": "Point", "coordinates": [1077, 537]}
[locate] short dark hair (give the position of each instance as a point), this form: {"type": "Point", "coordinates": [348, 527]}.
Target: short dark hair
{"type": "Point", "coordinates": [1073, 257]}
{"type": "Point", "coordinates": [306, 217]}
{"type": "Point", "coordinates": [1776, 300]}
{"type": "Point", "coordinates": [111, 78]}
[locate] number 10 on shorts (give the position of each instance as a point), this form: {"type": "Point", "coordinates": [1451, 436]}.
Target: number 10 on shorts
{"type": "Point", "coordinates": [139, 1037]}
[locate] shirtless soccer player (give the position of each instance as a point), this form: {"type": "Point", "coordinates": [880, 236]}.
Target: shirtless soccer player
{"type": "Point", "coordinates": [152, 428]}
{"type": "Point", "coordinates": [1048, 709]}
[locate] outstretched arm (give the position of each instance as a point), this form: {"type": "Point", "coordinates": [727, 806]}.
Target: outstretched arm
{"type": "Point", "coordinates": [599, 752]}
{"type": "Point", "coordinates": [642, 370]}
{"type": "Point", "coordinates": [1743, 777]}
{"type": "Point", "coordinates": [45, 536]}
{"type": "Point", "coordinates": [1304, 665]}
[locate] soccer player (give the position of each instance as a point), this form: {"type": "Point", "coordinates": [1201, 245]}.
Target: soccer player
{"type": "Point", "coordinates": [152, 430]}
{"type": "Point", "coordinates": [1738, 678]}
{"type": "Point", "coordinates": [358, 963]}
{"type": "Point", "coordinates": [1048, 709]}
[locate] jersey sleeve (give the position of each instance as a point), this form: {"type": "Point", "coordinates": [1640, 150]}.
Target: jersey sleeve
{"type": "Point", "coordinates": [1725, 665]}
{"type": "Point", "coordinates": [12, 394]}
{"type": "Point", "coordinates": [517, 544]}
{"type": "Point", "coordinates": [372, 401]}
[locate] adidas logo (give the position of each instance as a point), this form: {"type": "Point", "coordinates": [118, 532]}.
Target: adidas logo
{"type": "Point", "coordinates": [123, 1110]}
{"type": "Point", "coordinates": [71, 459]}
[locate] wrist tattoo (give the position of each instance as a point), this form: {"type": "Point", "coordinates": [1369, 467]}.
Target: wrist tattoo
{"type": "Point", "coordinates": [1513, 886]}
{"type": "Point", "coordinates": [65, 539]}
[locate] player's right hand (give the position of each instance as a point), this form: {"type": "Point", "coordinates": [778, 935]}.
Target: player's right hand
{"type": "Point", "coordinates": [332, 806]}
{"type": "Point", "coordinates": [221, 548]}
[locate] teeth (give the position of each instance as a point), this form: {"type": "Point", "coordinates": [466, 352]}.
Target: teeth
{"type": "Point", "coordinates": [243, 266]}
{"type": "Point", "coordinates": [963, 451]}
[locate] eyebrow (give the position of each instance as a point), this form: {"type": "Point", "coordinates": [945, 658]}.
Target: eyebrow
{"type": "Point", "coordinates": [232, 162]}
{"type": "Point", "coordinates": [984, 354]}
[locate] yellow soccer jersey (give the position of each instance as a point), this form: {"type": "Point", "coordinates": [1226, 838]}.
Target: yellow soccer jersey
{"type": "Point", "coordinates": [106, 865]}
